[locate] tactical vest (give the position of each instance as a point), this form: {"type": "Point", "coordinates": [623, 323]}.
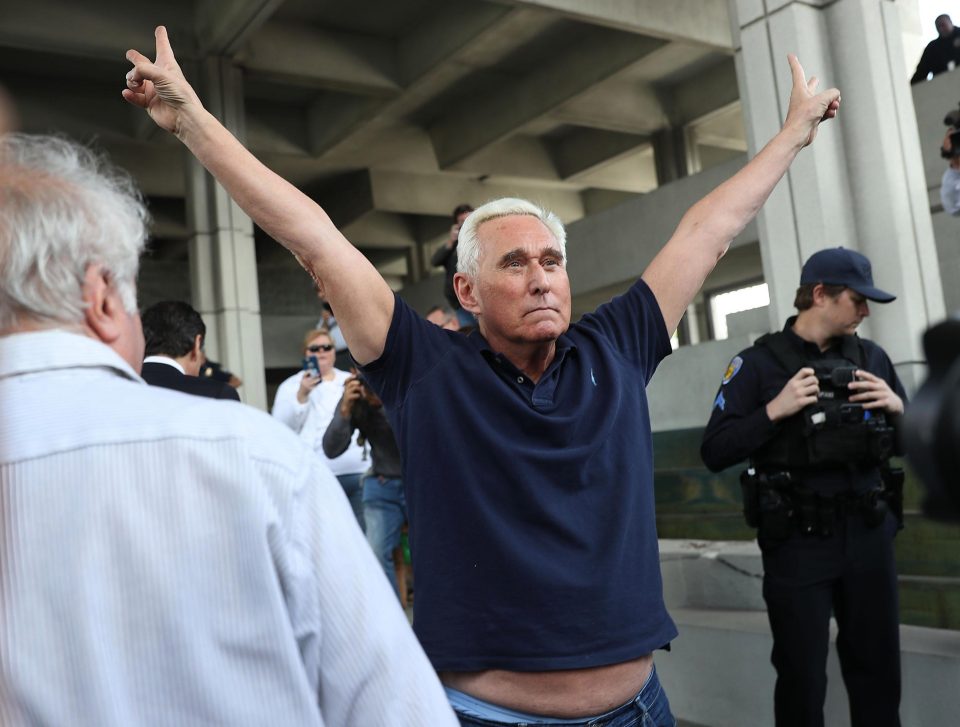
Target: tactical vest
{"type": "Point", "coordinates": [834, 432]}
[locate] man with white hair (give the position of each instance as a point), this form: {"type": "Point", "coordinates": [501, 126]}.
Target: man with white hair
{"type": "Point", "coordinates": [166, 559]}
{"type": "Point", "coordinates": [534, 544]}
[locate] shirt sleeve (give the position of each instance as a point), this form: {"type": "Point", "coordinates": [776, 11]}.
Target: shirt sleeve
{"type": "Point", "coordinates": [738, 424]}
{"type": "Point", "coordinates": [634, 322]}
{"type": "Point", "coordinates": [950, 193]}
{"type": "Point", "coordinates": [339, 432]}
{"type": "Point", "coordinates": [413, 347]}
{"type": "Point", "coordinates": [440, 255]}
{"type": "Point", "coordinates": [286, 408]}
{"type": "Point", "coordinates": [923, 67]}
{"type": "Point", "coordinates": [229, 393]}
{"type": "Point", "coordinates": [359, 652]}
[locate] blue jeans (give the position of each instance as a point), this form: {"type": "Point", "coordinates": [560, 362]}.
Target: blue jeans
{"type": "Point", "coordinates": [649, 708]}
{"type": "Point", "coordinates": [352, 489]}
{"type": "Point", "coordinates": [385, 511]}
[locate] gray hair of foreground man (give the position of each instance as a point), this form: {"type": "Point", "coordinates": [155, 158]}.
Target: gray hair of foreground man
{"type": "Point", "coordinates": [63, 208]}
{"type": "Point", "coordinates": [468, 248]}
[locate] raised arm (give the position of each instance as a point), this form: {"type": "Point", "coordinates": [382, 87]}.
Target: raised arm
{"type": "Point", "coordinates": [360, 296]}
{"type": "Point", "coordinates": [705, 232]}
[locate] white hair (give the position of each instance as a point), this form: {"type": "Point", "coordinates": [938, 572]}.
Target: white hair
{"type": "Point", "coordinates": [468, 247]}
{"type": "Point", "coordinates": [63, 208]}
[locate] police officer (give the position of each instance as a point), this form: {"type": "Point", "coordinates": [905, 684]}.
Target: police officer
{"type": "Point", "coordinates": [814, 408]}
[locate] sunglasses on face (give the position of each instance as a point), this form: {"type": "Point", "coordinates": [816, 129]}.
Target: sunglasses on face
{"type": "Point", "coordinates": [320, 347]}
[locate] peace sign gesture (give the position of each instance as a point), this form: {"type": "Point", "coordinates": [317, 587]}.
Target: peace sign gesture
{"type": "Point", "coordinates": [160, 87]}
{"type": "Point", "coordinates": [807, 107]}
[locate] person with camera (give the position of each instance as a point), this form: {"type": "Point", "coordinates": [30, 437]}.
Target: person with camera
{"type": "Point", "coordinates": [306, 403]}
{"type": "Point", "coordinates": [815, 408]}
{"type": "Point", "coordinates": [950, 150]}
{"type": "Point", "coordinates": [384, 507]}
{"type": "Point", "coordinates": [446, 257]}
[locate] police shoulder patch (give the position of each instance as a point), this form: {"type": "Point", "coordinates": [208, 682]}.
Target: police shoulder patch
{"type": "Point", "coordinates": [733, 368]}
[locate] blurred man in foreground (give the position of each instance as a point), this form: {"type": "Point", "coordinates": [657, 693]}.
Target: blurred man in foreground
{"type": "Point", "coordinates": [165, 559]}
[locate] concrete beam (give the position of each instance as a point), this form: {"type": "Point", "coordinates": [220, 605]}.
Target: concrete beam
{"type": "Point", "coordinates": [437, 55]}
{"type": "Point", "coordinates": [702, 94]}
{"type": "Point", "coordinates": [223, 28]}
{"type": "Point", "coordinates": [705, 22]}
{"type": "Point", "coordinates": [519, 156]}
{"type": "Point", "coordinates": [438, 194]}
{"type": "Point", "coordinates": [345, 199]}
{"type": "Point", "coordinates": [66, 27]}
{"type": "Point", "coordinates": [382, 231]}
{"type": "Point", "coordinates": [276, 129]}
{"type": "Point", "coordinates": [443, 35]}
{"type": "Point", "coordinates": [516, 101]}
{"type": "Point", "coordinates": [587, 150]}
{"type": "Point", "coordinates": [633, 171]}
{"type": "Point", "coordinates": [319, 59]}
{"type": "Point", "coordinates": [335, 116]}
{"type": "Point", "coordinates": [82, 110]}
{"type": "Point", "coordinates": [620, 105]}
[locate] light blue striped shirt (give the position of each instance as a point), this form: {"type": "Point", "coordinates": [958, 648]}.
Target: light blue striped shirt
{"type": "Point", "coordinates": [168, 559]}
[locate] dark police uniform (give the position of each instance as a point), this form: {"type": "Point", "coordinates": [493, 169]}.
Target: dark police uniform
{"type": "Point", "coordinates": [827, 544]}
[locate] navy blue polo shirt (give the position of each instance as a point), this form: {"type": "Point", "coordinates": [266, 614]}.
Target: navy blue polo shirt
{"type": "Point", "coordinates": [739, 425]}
{"type": "Point", "coordinates": [531, 506]}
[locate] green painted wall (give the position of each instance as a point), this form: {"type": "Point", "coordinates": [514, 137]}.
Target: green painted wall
{"type": "Point", "coordinates": [692, 502]}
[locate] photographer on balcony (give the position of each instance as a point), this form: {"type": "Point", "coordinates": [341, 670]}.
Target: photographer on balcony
{"type": "Point", "coordinates": [814, 409]}
{"type": "Point", "coordinates": [950, 184]}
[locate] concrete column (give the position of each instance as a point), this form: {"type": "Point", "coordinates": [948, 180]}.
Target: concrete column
{"type": "Point", "coordinates": [223, 265]}
{"type": "Point", "coordinates": [861, 184]}
{"type": "Point", "coordinates": [670, 155]}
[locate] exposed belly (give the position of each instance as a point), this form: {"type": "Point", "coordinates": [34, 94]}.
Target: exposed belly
{"type": "Point", "coordinates": [566, 694]}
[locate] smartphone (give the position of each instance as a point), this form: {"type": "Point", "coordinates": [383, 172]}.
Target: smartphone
{"type": "Point", "coordinates": [311, 365]}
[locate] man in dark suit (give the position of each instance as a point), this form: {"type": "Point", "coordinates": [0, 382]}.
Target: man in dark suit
{"type": "Point", "coordinates": [174, 334]}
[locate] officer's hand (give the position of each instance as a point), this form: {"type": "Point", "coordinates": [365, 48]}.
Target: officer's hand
{"type": "Point", "coordinates": [874, 393]}
{"type": "Point", "coordinates": [352, 391]}
{"type": "Point", "coordinates": [798, 392]}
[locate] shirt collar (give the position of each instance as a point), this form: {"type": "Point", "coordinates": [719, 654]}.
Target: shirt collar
{"type": "Point", "coordinates": [49, 350]}
{"type": "Point", "coordinates": [165, 360]}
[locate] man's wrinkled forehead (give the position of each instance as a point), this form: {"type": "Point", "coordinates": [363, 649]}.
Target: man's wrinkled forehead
{"type": "Point", "coordinates": [517, 232]}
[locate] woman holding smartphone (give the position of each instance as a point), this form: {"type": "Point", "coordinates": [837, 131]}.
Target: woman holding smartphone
{"type": "Point", "coordinates": [306, 403]}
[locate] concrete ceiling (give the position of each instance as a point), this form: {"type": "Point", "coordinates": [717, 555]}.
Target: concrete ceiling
{"type": "Point", "coordinates": [391, 112]}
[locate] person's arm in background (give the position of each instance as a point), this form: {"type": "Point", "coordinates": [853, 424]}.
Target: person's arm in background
{"type": "Point", "coordinates": [950, 194]}
{"type": "Point", "coordinates": [292, 401]}
{"type": "Point", "coordinates": [360, 296]}
{"type": "Point", "coordinates": [340, 430]}
{"type": "Point", "coordinates": [923, 67]}
{"type": "Point", "coordinates": [443, 252]}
